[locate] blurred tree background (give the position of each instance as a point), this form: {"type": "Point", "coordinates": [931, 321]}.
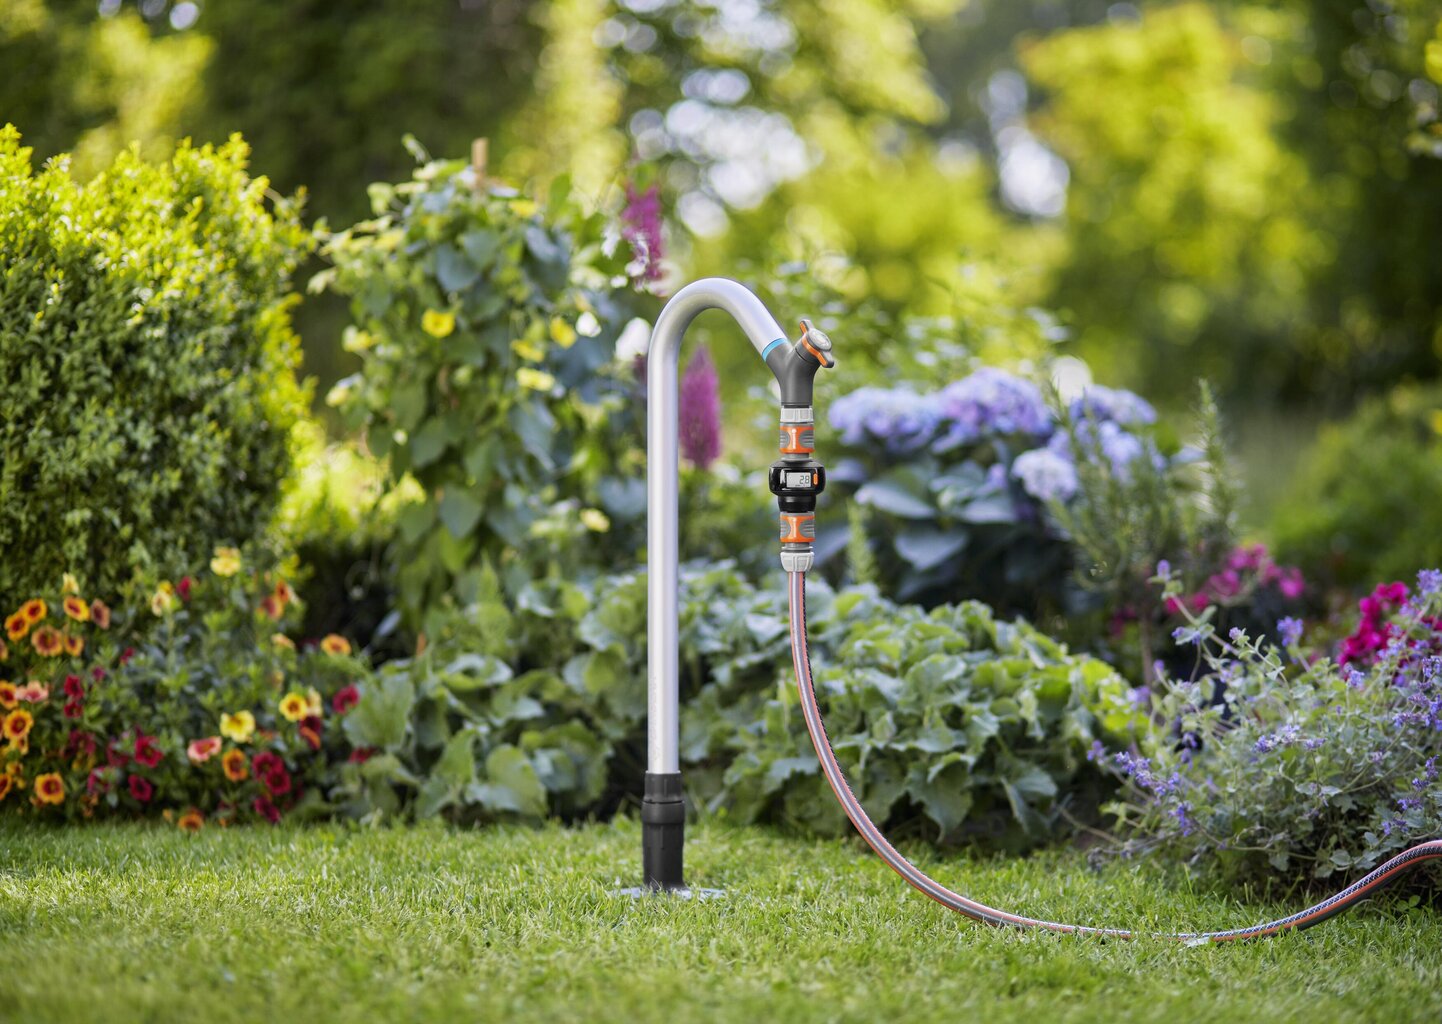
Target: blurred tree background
{"type": "Point", "coordinates": [1250, 192]}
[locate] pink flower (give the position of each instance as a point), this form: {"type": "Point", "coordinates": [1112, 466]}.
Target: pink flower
{"type": "Point", "coordinates": [183, 588]}
{"type": "Point", "coordinates": [74, 688]}
{"type": "Point", "coordinates": [73, 709]}
{"type": "Point", "coordinates": [202, 750]}
{"type": "Point", "coordinates": [141, 789]}
{"type": "Point", "coordinates": [641, 226]}
{"type": "Point", "coordinates": [700, 405]}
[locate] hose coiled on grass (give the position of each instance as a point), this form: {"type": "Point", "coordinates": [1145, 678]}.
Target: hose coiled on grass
{"type": "Point", "coordinates": [1333, 905]}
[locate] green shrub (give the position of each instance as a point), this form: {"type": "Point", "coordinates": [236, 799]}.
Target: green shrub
{"type": "Point", "coordinates": [482, 322]}
{"type": "Point", "coordinates": [1367, 499]}
{"type": "Point", "coordinates": [146, 362]}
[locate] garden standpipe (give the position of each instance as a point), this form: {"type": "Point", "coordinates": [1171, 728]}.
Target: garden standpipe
{"type": "Point", "coordinates": [796, 479]}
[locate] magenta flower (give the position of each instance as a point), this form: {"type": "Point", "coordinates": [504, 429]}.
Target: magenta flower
{"type": "Point", "coordinates": [641, 226]}
{"type": "Point", "coordinates": [700, 411]}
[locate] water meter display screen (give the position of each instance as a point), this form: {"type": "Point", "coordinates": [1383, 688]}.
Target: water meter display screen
{"type": "Point", "coordinates": [798, 479]}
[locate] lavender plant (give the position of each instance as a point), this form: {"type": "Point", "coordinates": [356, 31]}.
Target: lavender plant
{"type": "Point", "coordinates": [1274, 759]}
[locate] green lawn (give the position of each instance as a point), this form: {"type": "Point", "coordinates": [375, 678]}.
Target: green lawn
{"type": "Point", "coordinates": [322, 924]}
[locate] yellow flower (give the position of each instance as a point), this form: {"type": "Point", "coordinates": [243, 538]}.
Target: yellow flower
{"type": "Point", "coordinates": [17, 725]}
{"type": "Point", "coordinates": [314, 706]}
{"type": "Point", "coordinates": [69, 584]}
{"type": "Point", "coordinates": [49, 788]}
{"type": "Point", "coordinates": [528, 350]}
{"type": "Point", "coordinates": [536, 380]}
{"type": "Point", "coordinates": [47, 641]}
{"type": "Point", "coordinates": [73, 645]}
{"type": "Point", "coordinates": [9, 694]}
{"type": "Point", "coordinates": [437, 323]}
{"type": "Point", "coordinates": [335, 644]}
{"type": "Point", "coordinates": [239, 726]}
{"type": "Point", "coordinates": [76, 609]}
{"type": "Point", "coordinates": [595, 520]}
{"type": "Point", "coordinates": [16, 626]}
{"type": "Point", "coordinates": [282, 641]}
{"type": "Point", "coordinates": [562, 333]}
{"type": "Point", "coordinates": [294, 707]}
{"type": "Point", "coordinates": [34, 610]}
{"type": "Point", "coordinates": [163, 601]}
{"type": "Point", "coordinates": [226, 562]}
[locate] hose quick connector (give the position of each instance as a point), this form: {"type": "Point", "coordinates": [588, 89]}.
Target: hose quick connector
{"type": "Point", "coordinates": [796, 479]}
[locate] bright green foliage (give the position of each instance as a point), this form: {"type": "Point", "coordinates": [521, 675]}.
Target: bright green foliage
{"type": "Point", "coordinates": [1366, 502]}
{"type": "Point", "coordinates": [481, 321]}
{"type": "Point", "coordinates": [951, 721]}
{"type": "Point", "coordinates": [331, 926]}
{"type": "Point", "coordinates": [146, 363]}
{"type": "Point", "coordinates": [1186, 240]}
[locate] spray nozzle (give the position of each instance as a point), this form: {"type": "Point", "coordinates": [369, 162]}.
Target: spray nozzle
{"type": "Point", "coordinates": [795, 365]}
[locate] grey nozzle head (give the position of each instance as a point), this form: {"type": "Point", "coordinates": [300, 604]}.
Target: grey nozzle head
{"type": "Point", "coordinates": [795, 365]}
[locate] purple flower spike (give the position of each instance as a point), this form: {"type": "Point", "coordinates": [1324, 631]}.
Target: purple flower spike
{"type": "Point", "coordinates": [700, 411]}
{"type": "Point", "coordinates": [641, 226]}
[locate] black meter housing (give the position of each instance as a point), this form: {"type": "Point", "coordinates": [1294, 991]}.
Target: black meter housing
{"type": "Point", "coordinates": [796, 484]}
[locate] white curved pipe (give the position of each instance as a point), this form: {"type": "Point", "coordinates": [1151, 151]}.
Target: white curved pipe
{"type": "Point", "coordinates": [662, 495]}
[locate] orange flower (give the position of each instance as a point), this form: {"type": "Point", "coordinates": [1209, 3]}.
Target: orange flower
{"type": "Point", "coordinates": [335, 644]}
{"type": "Point", "coordinates": [271, 607]}
{"type": "Point", "coordinates": [74, 645]}
{"type": "Point", "coordinates": [100, 613]}
{"type": "Point", "coordinates": [17, 725]}
{"type": "Point", "coordinates": [236, 765]}
{"type": "Point", "coordinates": [283, 593]}
{"type": "Point", "coordinates": [190, 821]}
{"type": "Point", "coordinates": [4, 651]}
{"type": "Point", "coordinates": [9, 694]}
{"type": "Point", "coordinates": [5, 783]}
{"type": "Point", "coordinates": [34, 610]}
{"type": "Point", "coordinates": [49, 788]}
{"type": "Point", "coordinates": [203, 750]}
{"type": "Point", "coordinates": [76, 609]}
{"type": "Point", "coordinates": [282, 641]}
{"type": "Point", "coordinates": [16, 627]}
{"type": "Point", "coordinates": [47, 641]}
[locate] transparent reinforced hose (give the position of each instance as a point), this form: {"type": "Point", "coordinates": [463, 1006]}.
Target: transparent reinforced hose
{"type": "Point", "coordinates": [801, 658]}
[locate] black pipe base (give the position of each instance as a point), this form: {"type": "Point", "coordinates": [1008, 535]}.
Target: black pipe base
{"type": "Point", "coordinates": [663, 832]}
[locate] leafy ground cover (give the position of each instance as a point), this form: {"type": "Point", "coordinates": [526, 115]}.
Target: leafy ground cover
{"type": "Point", "coordinates": [143, 923]}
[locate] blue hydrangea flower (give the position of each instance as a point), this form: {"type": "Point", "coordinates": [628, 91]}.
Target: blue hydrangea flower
{"type": "Point", "coordinates": [1104, 404]}
{"type": "Point", "coordinates": [898, 418]}
{"type": "Point", "coordinates": [1045, 475]}
{"type": "Point", "coordinates": [990, 401]}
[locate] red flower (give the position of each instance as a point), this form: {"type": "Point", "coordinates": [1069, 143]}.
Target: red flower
{"type": "Point", "coordinates": [266, 809]}
{"type": "Point", "coordinates": [146, 752]}
{"type": "Point", "coordinates": [95, 782]}
{"type": "Point", "coordinates": [183, 588]}
{"type": "Point", "coordinates": [73, 709]}
{"type": "Point", "coordinates": [79, 743]}
{"type": "Point", "coordinates": [141, 789]}
{"type": "Point", "coordinates": [74, 687]}
{"type": "Point", "coordinates": [345, 698]}
{"type": "Point", "coordinates": [265, 762]}
{"type": "Point", "coordinates": [126, 655]}
{"type": "Point", "coordinates": [310, 729]}
{"type": "Point", "coordinates": [115, 758]}
{"type": "Point", "coordinates": [360, 755]}
{"type": "Point", "coordinates": [97, 673]}
{"type": "Point", "coordinates": [277, 780]}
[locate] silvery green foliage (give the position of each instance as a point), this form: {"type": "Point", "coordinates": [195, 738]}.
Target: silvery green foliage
{"type": "Point", "coordinates": [1271, 762]}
